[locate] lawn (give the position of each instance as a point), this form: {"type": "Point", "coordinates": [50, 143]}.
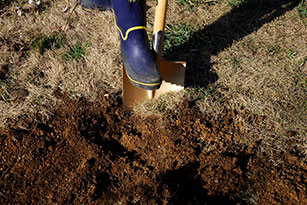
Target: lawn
{"type": "Point", "coordinates": [235, 135]}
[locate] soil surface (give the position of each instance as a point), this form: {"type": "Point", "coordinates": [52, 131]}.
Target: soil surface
{"type": "Point", "coordinates": [98, 153]}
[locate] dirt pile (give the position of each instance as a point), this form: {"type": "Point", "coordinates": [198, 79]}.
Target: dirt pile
{"type": "Point", "coordinates": [98, 153]}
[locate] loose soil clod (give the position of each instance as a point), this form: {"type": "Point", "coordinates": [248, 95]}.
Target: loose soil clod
{"type": "Point", "coordinates": [98, 153]}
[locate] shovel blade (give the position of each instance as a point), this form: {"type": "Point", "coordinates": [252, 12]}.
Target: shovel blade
{"type": "Point", "coordinates": [173, 75]}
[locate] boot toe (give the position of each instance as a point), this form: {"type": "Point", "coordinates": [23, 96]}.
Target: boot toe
{"type": "Point", "coordinates": [148, 81]}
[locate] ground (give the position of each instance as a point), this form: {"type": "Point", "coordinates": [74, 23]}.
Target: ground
{"type": "Point", "coordinates": [236, 135]}
{"type": "Point", "coordinates": [97, 152]}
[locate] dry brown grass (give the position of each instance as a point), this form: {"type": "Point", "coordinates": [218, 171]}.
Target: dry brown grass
{"type": "Point", "coordinates": [266, 73]}
{"type": "Point", "coordinates": [263, 71]}
{"type": "Point", "coordinates": [100, 68]}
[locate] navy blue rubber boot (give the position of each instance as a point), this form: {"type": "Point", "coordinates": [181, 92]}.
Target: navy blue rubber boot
{"type": "Point", "coordinates": [139, 62]}
{"type": "Point", "coordinates": [96, 4]}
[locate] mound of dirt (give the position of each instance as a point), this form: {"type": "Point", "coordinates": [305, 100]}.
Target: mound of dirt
{"type": "Point", "coordinates": [98, 153]}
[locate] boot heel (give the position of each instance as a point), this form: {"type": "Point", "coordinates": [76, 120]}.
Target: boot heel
{"type": "Point", "coordinates": [88, 5]}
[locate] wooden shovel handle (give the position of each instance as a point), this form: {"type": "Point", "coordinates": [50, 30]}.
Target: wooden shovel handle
{"type": "Point", "coordinates": [159, 25]}
{"type": "Point", "coordinates": [160, 16]}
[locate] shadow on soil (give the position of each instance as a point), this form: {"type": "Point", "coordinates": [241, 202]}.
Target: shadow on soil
{"type": "Point", "coordinates": [186, 187]}
{"type": "Point", "coordinates": [214, 38]}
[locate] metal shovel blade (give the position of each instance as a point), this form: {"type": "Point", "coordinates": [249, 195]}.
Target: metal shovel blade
{"type": "Point", "coordinates": [173, 74]}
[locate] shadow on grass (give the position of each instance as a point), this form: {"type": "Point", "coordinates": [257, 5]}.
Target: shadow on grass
{"type": "Point", "coordinates": [4, 3]}
{"type": "Point", "coordinates": [214, 38]}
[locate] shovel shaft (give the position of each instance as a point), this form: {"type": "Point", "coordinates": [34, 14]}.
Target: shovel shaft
{"type": "Point", "coordinates": [159, 25]}
{"type": "Point", "coordinates": [160, 16]}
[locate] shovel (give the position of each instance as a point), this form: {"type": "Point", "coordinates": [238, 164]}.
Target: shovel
{"type": "Point", "coordinates": [172, 73]}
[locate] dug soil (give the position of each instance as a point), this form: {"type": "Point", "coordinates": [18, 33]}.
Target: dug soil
{"type": "Point", "coordinates": [97, 153]}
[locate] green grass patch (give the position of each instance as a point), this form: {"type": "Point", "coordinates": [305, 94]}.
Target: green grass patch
{"type": "Point", "coordinates": [47, 42]}
{"type": "Point", "coordinates": [200, 93]}
{"type": "Point", "coordinates": [291, 53]}
{"type": "Point", "coordinates": [76, 52]}
{"type": "Point", "coordinates": [235, 62]}
{"type": "Point", "coordinates": [181, 39]}
{"type": "Point", "coordinates": [176, 35]}
{"type": "Point", "coordinates": [273, 49]}
{"type": "Point", "coordinates": [179, 36]}
{"type": "Point", "coordinates": [160, 107]}
{"type": "Point", "coordinates": [194, 3]}
{"type": "Point", "coordinates": [302, 84]}
{"type": "Point", "coordinates": [4, 90]}
{"type": "Point", "coordinates": [302, 10]}
{"type": "Point", "coordinates": [235, 4]}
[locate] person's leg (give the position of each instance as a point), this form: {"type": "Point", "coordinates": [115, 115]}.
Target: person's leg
{"type": "Point", "coordinates": [137, 57]}
{"type": "Point", "coordinates": [139, 62]}
{"type": "Point", "coordinates": [96, 4]}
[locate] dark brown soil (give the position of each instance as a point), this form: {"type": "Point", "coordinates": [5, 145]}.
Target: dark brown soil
{"type": "Point", "coordinates": [98, 153]}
